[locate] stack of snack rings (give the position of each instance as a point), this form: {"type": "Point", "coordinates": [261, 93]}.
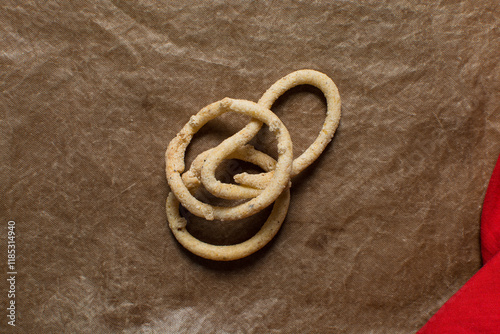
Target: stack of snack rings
{"type": "Point", "coordinates": [260, 189]}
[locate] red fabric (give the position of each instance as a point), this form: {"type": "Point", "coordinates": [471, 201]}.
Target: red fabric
{"type": "Point", "coordinates": [490, 218]}
{"type": "Point", "coordinates": [475, 308]}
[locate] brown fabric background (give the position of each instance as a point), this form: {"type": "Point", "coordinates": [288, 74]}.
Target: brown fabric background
{"type": "Point", "coordinates": [381, 230]}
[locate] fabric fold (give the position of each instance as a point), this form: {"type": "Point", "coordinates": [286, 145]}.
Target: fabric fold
{"type": "Point", "coordinates": [475, 308]}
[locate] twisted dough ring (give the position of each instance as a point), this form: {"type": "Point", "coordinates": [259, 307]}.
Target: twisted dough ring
{"type": "Point", "coordinates": [177, 147]}
{"type": "Point", "coordinates": [264, 188]}
{"type": "Point", "coordinates": [302, 77]}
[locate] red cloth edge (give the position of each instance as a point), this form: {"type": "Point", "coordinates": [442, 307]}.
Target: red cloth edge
{"type": "Point", "coordinates": [490, 217]}
{"type": "Point", "coordinates": [475, 308]}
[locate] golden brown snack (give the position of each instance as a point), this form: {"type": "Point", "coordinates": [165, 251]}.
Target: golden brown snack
{"type": "Point", "coordinates": [262, 189]}
{"type": "Point", "coordinates": [192, 177]}
{"type": "Point", "coordinates": [177, 147]}
{"type": "Point", "coordinates": [301, 77]}
{"type": "Point", "coordinates": [230, 252]}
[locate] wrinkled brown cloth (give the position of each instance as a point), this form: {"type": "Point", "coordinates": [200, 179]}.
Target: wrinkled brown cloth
{"type": "Point", "coordinates": [381, 230]}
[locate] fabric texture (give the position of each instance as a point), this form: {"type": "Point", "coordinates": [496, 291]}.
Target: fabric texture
{"type": "Point", "coordinates": [475, 308]}
{"type": "Point", "coordinates": [381, 230]}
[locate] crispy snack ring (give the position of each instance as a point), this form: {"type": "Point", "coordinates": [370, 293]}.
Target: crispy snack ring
{"type": "Point", "coordinates": [177, 147]}
{"type": "Point", "coordinates": [177, 223]}
{"type": "Point", "coordinates": [262, 189]}
{"type": "Point", "coordinates": [255, 182]}
{"type": "Point", "coordinates": [230, 252]}
{"type": "Point", "coordinates": [302, 77]}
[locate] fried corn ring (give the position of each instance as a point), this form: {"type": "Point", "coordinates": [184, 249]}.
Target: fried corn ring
{"type": "Point", "coordinates": [217, 154]}
{"type": "Point", "coordinates": [192, 178]}
{"type": "Point", "coordinates": [260, 188]}
{"type": "Point", "coordinates": [177, 224]}
{"type": "Point", "coordinates": [177, 147]}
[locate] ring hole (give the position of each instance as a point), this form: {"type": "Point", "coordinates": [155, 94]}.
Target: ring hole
{"type": "Point", "coordinates": [218, 232]}
{"type": "Point", "coordinates": [226, 171]}
{"type": "Point", "coordinates": [303, 110]}
{"type": "Point", "coordinates": [214, 132]}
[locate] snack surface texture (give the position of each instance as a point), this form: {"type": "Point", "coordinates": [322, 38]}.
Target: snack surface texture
{"type": "Point", "coordinates": [261, 190]}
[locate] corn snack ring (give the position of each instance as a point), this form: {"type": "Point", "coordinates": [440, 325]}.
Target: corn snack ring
{"type": "Point", "coordinates": [191, 178]}
{"type": "Point", "coordinates": [262, 189]}
{"type": "Point", "coordinates": [217, 154]}
{"type": "Point", "coordinates": [177, 147]}
{"type": "Point", "coordinates": [230, 252]}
